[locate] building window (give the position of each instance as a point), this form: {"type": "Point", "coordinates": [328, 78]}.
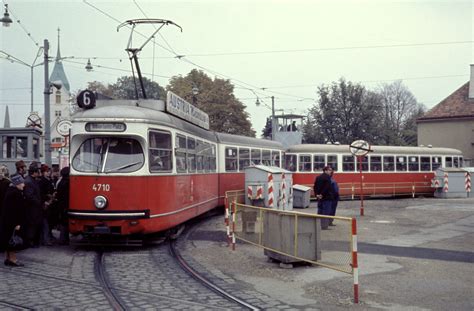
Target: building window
{"type": "Point", "coordinates": [58, 96]}
{"type": "Point", "coordinates": [57, 113]}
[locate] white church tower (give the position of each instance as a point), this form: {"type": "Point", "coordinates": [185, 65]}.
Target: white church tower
{"type": "Point", "coordinates": [59, 110]}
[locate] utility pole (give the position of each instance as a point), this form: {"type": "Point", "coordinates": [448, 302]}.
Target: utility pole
{"type": "Point", "coordinates": [47, 120]}
{"type": "Point", "coordinates": [273, 118]}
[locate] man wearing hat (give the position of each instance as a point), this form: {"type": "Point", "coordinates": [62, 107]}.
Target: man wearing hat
{"type": "Point", "coordinates": [34, 208]}
{"type": "Point", "coordinates": [12, 218]}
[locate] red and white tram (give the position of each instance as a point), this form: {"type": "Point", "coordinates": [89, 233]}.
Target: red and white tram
{"type": "Point", "coordinates": [138, 169]}
{"type": "Point", "coordinates": [387, 170]}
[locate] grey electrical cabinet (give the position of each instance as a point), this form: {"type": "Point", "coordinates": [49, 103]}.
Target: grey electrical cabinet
{"type": "Point", "coordinates": [301, 196]}
{"type": "Point", "coordinates": [451, 182]}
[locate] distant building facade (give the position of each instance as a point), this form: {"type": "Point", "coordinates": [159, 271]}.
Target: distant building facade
{"type": "Point", "coordinates": [451, 122]}
{"type": "Point", "coordinates": [59, 109]}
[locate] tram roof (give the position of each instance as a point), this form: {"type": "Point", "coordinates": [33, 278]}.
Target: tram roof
{"type": "Point", "coordinates": [141, 111]}
{"type": "Point", "coordinates": [322, 148]}
{"type": "Point", "coordinates": [247, 141]}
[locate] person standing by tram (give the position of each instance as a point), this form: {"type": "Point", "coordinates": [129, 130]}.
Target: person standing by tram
{"type": "Point", "coordinates": [47, 191]}
{"type": "Point", "coordinates": [34, 208]}
{"type": "Point", "coordinates": [335, 189]}
{"type": "Point", "coordinates": [325, 194]}
{"type": "Point", "coordinates": [20, 168]}
{"type": "Point", "coordinates": [12, 215]}
{"type": "Point", "coordinates": [62, 195]}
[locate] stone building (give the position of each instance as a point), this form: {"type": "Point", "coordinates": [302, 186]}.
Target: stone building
{"type": "Point", "coordinates": [451, 122]}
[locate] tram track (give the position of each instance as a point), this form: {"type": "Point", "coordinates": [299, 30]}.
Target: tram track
{"type": "Point", "coordinates": [110, 293]}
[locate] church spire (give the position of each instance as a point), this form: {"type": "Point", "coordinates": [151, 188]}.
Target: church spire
{"type": "Point", "coordinates": [6, 123]}
{"type": "Point", "coordinates": [58, 70]}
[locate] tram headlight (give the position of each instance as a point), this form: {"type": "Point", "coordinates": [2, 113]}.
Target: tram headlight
{"type": "Point", "coordinates": [100, 202]}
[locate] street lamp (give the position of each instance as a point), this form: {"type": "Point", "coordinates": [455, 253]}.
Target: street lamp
{"type": "Point", "coordinates": [257, 103]}
{"type": "Point", "coordinates": [89, 67]}
{"type": "Point", "coordinates": [6, 20]}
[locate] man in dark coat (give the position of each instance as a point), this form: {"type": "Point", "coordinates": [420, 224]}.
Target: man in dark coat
{"type": "Point", "coordinates": [4, 183]}
{"type": "Point", "coordinates": [34, 208]}
{"type": "Point", "coordinates": [12, 218]}
{"type": "Point", "coordinates": [47, 190]}
{"type": "Point", "coordinates": [62, 196]}
{"type": "Point", "coordinates": [325, 194]}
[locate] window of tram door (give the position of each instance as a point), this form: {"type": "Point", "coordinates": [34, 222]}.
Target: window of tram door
{"type": "Point", "coordinates": [266, 157]}
{"type": "Point", "coordinates": [365, 163]}
{"type": "Point", "coordinates": [231, 159]}
{"type": "Point", "coordinates": [180, 154]}
{"type": "Point", "coordinates": [375, 163]}
{"type": "Point", "coordinates": [244, 158]}
{"type": "Point", "coordinates": [212, 163]}
{"type": "Point", "coordinates": [276, 158]}
{"type": "Point", "coordinates": [290, 162]}
{"type": "Point", "coordinates": [348, 163]}
{"type": "Point", "coordinates": [401, 163]}
{"type": "Point", "coordinates": [332, 162]}
{"type": "Point", "coordinates": [425, 165]}
{"type": "Point", "coordinates": [413, 164]}
{"type": "Point", "coordinates": [256, 157]}
{"type": "Point", "coordinates": [449, 162]}
{"type": "Point", "coordinates": [435, 163]}
{"type": "Point", "coordinates": [160, 151]}
{"type": "Point", "coordinates": [319, 162]}
{"type": "Point", "coordinates": [305, 163]}
{"type": "Point", "coordinates": [191, 155]}
{"type": "Point", "coordinates": [388, 163]}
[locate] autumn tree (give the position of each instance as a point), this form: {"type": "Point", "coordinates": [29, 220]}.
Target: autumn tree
{"type": "Point", "coordinates": [267, 129]}
{"type": "Point", "coordinates": [399, 107]}
{"type": "Point", "coordinates": [216, 98]}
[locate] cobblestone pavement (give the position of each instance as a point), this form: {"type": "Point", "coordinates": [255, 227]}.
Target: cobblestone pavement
{"type": "Point", "coordinates": [413, 254]}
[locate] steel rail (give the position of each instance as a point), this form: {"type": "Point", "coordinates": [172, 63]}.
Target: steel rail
{"type": "Point", "coordinates": [115, 302]}
{"type": "Point", "coordinates": [186, 267]}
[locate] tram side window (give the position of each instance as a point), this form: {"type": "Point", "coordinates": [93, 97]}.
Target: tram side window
{"type": "Point", "coordinates": [7, 146]}
{"type": "Point", "coordinates": [425, 164]}
{"type": "Point", "coordinates": [244, 158]}
{"type": "Point", "coordinates": [401, 163]}
{"type": "Point", "coordinates": [435, 163]}
{"type": "Point", "coordinates": [348, 163]}
{"type": "Point", "coordinates": [180, 154]}
{"type": "Point", "coordinates": [256, 156]}
{"type": "Point", "coordinates": [212, 159]}
{"type": "Point", "coordinates": [230, 159]}
{"type": "Point", "coordinates": [332, 162]}
{"type": "Point", "coordinates": [449, 162]}
{"type": "Point", "coordinates": [305, 163]}
{"type": "Point", "coordinates": [160, 151]}
{"type": "Point", "coordinates": [319, 162]}
{"type": "Point", "coordinates": [413, 164]}
{"type": "Point", "coordinates": [290, 162]}
{"type": "Point", "coordinates": [276, 158]}
{"type": "Point", "coordinates": [461, 162]}
{"type": "Point", "coordinates": [388, 163]}
{"type": "Point", "coordinates": [36, 146]}
{"type": "Point", "coordinates": [365, 163]}
{"type": "Point", "coordinates": [191, 155]}
{"type": "Point", "coordinates": [455, 162]}
{"type": "Point", "coordinates": [199, 156]}
{"type": "Point", "coordinates": [375, 163]}
{"type": "Point", "coordinates": [266, 158]}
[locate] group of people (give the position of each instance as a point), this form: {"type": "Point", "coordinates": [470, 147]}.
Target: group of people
{"type": "Point", "coordinates": [33, 201]}
{"type": "Point", "coordinates": [326, 191]}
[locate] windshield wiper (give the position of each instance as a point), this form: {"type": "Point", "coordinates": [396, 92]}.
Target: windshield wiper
{"type": "Point", "coordinates": [123, 167]}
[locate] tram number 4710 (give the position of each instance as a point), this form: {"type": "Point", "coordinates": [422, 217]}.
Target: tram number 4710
{"type": "Point", "coordinates": [101, 187]}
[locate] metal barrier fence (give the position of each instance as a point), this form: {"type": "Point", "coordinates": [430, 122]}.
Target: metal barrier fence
{"type": "Point", "coordinates": [294, 236]}
{"type": "Point", "coordinates": [353, 189]}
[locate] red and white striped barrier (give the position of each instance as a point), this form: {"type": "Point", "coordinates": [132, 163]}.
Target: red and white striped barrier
{"type": "Point", "coordinates": [283, 192]}
{"type": "Point", "coordinates": [270, 190]}
{"type": "Point", "coordinates": [226, 220]}
{"type": "Point", "coordinates": [234, 203]}
{"type": "Point", "coordinates": [257, 195]}
{"type": "Point", "coordinates": [446, 183]}
{"type": "Point", "coordinates": [355, 265]}
{"type": "Point", "coordinates": [250, 192]}
{"type": "Point", "coordinates": [468, 182]}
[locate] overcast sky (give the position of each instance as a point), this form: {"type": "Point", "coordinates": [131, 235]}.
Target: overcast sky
{"type": "Point", "coordinates": [287, 48]}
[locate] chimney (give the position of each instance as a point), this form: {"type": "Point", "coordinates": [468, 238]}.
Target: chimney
{"type": "Point", "coordinates": [471, 84]}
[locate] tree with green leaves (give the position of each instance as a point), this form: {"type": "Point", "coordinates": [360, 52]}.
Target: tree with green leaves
{"type": "Point", "coordinates": [124, 88]}
{"type": "Point", "coordinates": [216, 98]}
{"type": "Point", "coordinates": [267, 129]}
{"type": "Point", "coordinates": [345, 111]}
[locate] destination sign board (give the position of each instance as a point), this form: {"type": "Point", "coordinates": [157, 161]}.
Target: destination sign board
{"type": "Point", "coordinates": [184, 110]}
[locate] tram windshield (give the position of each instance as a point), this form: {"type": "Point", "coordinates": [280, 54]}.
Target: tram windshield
{"type": "Point", "coordinates": [109, 155]}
